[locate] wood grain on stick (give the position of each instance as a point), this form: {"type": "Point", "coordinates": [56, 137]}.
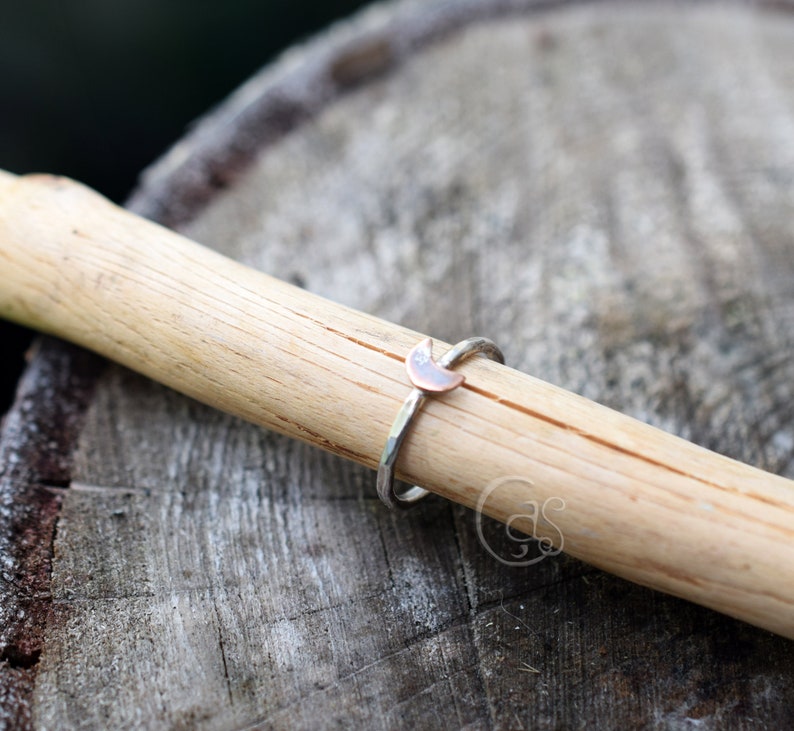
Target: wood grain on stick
{"type": "Point", "coordinates": [640, 503]}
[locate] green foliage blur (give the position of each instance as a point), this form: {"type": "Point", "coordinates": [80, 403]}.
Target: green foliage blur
{"type": "Point", "coordinates": [98, 89]}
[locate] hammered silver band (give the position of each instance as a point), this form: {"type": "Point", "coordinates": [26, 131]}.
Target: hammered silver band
{"type": "Point", "coordinates": [429, 378]}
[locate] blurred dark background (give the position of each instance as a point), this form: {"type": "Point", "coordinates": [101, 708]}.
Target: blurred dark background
{"type": "Point", "coordinates": [98, 89]}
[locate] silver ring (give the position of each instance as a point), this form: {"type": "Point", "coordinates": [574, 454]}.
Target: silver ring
{"type": "Point", "coordinates": [428, 377]}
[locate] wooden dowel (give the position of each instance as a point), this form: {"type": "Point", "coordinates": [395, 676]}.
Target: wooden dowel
{"type": "Point", "coordinates": [640, 503]}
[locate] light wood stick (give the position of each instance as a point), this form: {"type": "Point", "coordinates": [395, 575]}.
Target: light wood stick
{"type": "Point", "coordinates": [640, 503]}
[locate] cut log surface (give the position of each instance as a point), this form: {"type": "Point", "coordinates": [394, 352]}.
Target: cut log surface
{"type": "Point", "coordinates": [605, 190]}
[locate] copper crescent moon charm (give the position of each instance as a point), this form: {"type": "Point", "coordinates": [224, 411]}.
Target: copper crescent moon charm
{"type": "Point", "coordinates": [427, 375]}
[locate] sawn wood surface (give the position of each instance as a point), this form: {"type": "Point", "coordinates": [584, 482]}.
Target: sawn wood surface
{"type": "Point", "coordinates": [605, 190]}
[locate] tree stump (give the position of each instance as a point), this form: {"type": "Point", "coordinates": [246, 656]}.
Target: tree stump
{"type": "Point", "coordinates": [605, 190]}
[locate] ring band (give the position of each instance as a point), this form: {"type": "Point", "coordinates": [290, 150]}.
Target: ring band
{"type": "Point", "coordinates": [428, 377]}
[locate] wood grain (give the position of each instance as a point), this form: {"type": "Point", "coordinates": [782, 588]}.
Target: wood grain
{"type": "Point", "coordinates": [276, 355]}
{"type": "Point", "coordinates": [620, 228]}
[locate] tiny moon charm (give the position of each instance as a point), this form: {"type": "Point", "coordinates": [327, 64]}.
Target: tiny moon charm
{"type": "Point", "coordinates": [426, 374]}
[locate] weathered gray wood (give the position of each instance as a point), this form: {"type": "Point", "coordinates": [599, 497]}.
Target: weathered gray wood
{"type": "Point", "coordinates": [36, 442]}
{"type": "Point", "coordinates": [607, 192]}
